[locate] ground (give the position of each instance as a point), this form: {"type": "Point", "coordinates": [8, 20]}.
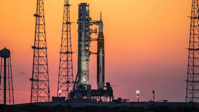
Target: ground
{"type": "Point", "coordinates": [151, 108]}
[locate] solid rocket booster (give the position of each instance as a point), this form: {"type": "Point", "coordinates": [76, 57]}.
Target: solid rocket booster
{"type": "Point", "coordinates": [100, 84]}
{"type": "Point", "coordinates": [100, 56]}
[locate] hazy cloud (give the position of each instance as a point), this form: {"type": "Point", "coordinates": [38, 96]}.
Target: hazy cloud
{"type": "Point", "coordinates": [21, 73]}
{"type": "Point", "coordinates": [164, 87]}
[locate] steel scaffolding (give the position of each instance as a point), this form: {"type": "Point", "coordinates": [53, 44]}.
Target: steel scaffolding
{"type": "Point", "coordinates": [65, 77]}
{"type": "Point", "coordinates": [192, 82]}
{"type": "Point", "coordinates": [40, 90]}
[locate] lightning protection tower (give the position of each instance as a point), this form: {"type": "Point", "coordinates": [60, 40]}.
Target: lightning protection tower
{"type": "Point", "coordinates": [40, 91]}
{"type": "Point", "coordinates": [65, 76]}
{"type": "Point", "coordinates": [6, 82]}
{"type": "Point", "coordinates": [192, 82]}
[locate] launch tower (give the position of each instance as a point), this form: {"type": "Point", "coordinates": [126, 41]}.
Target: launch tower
{"type": "Point", "coordinates": [192, 82]}
{"type": "Point", "coordinates": [82, 89]}
{"type": "Point", "coordinates": [40, 90]}
{"type": "Point", "coordinates": [65, 77]}
{"type": "Point", "coordinates": [82, 78]}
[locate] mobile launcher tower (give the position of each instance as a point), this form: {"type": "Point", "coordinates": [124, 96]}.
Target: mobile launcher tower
{"type": "Point", "coordinates": [82, 90]}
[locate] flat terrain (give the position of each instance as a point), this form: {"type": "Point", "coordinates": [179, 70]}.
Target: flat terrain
{"type": "Point", "coordinates": [36, 108]}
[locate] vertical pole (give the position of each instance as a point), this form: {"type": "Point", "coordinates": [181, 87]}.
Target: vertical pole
{"type": "Point", "coordinates": [11, 82]}
{"type": "Point", "coordinates": [8, 92]}
{"type": "Point", "coordinates": [4, 80]}
{"type": "Point", "coordinates": [153, 96]}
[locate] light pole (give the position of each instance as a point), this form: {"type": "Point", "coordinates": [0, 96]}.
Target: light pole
{"type": "Point", "coordinates": [60, 91]}
{"type": "Point", "coordinates": [138, 92]}
{"type": "Point", "coordinates": [153, 95]}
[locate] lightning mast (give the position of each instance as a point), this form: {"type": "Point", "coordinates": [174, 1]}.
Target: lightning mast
{"type": "Point", "coordinates": [192, 82]}
{"type": "Point", "coordinates": [40, 90]}
{"type": "Point", "coordinates": [65, 77]}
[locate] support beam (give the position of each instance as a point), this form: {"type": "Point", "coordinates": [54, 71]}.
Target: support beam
{"type": "Point", "coordinates": [4, 80]}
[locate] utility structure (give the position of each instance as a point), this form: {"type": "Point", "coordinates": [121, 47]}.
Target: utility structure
{"type": "Point", "coordinates": [6, 82]}
{"type": "Point", "coordinates": [192, 82]}
{"type": "Point", "coordinates": [82, 78]}
{"type": "Point", "coordinates": [40, 90]}
{"type": "Point", "coordinates": [65, 76]}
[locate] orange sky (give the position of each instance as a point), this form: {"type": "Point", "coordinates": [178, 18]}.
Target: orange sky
{"type": "Point", "coordinates": [145, 43]}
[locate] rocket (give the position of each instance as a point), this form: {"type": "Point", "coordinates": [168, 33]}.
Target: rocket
{"type": "Point", "coordinates": [100, 56]}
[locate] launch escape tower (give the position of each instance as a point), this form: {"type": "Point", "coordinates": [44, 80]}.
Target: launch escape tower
{"type": "Point", "coordinates": [40, 90]}
{"type": "Point", "coordinates": [192, 82]}
{"type": "Point", "coordinates": [6, 82]}
{"type": "Point", "coordinates": [65, 77]}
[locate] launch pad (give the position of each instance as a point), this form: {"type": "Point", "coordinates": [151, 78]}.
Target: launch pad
{"type": "Point", "coordinates": [67, 89]}
{"type": "Point", "coordinates": [82, 91]}
{"type": "Point", "coordinates": [93, 95]}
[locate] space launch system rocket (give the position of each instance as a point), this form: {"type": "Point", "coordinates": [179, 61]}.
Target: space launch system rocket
{"type": "Point", "coordinates": [100, 56]}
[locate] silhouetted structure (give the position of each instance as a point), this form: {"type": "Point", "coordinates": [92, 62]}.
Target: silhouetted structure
{"type": "Point", "coordinates": [65, 77]}
{"type": "Point", "coordinates": [40, 91]}
{"type": "Point", "coordinates": [192, 82]}
{"type": "Point", "coordinates": [95, 108]}
{"type": "Point", "coordinates": [6, 82]}
{"type": "Point", "coordinates": [153, 95]}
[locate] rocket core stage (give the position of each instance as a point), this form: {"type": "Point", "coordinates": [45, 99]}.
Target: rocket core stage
{"type": "Point", "coordinates": [100, 56]}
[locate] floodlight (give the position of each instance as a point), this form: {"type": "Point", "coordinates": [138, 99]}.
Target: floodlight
{"type": "Point", "coordinates": [60, 91]}
{"type": "Point", "coordinates": [137, 91]}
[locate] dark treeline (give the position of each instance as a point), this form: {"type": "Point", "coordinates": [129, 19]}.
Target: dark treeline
{"type": "Point", "coordinates": [34, 108]}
